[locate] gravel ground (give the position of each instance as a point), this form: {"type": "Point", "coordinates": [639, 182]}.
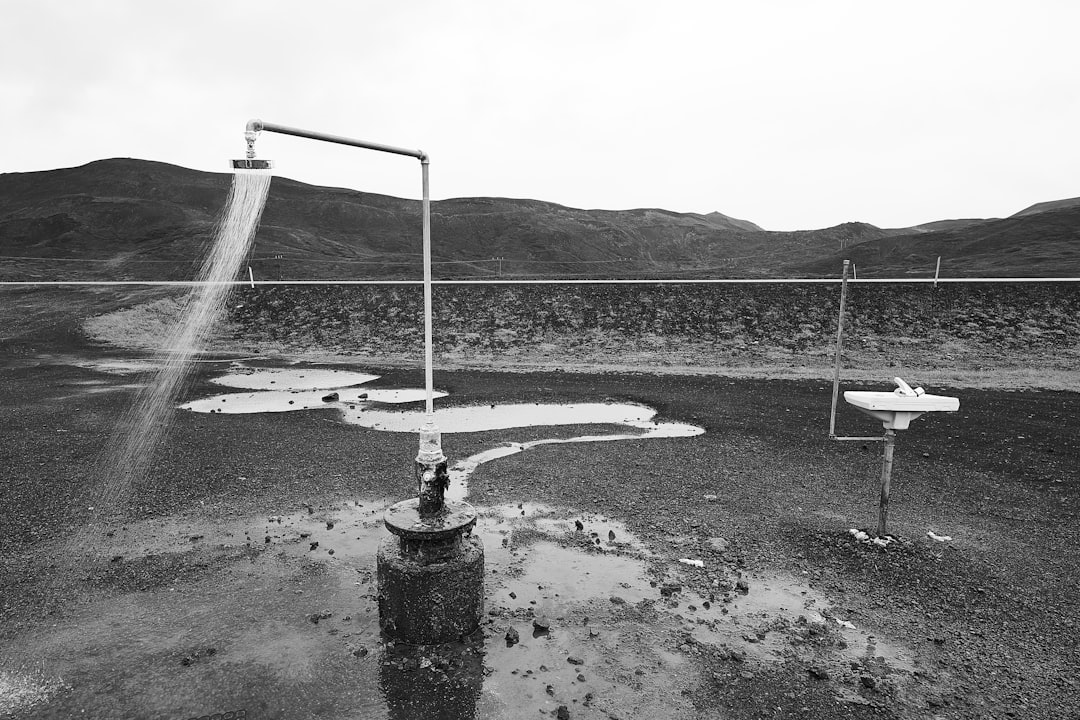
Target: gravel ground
{"type": "Point", "coordinates": [991, 616]}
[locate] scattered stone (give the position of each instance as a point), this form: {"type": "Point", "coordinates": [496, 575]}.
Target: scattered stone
{"type": "Point", "coordinates": [314, 545]}
{"type": "Point", "coordinates": [868, 681]}
{"type": "Point", "coordinates": [332, 397]}
{"type": "Point", "coordinates": [329, 524]}
{"type": "Point", "coordinates": [580, 677]}
{"type": "Point", "coordinates": [512, 637]}
{"type": "Point", "coordinates": [719, 544]}
{"type": "Point", "coordinates": [575, 660]}
{"type": "Point", "coordinates": [578, 525]}
{"type": "Point", "coordinates": [541, 622]}
{"type": "Point", "coordinates": [562, 713]}
{"type": "Point", "coordinates": [669, 589]}
{"type": "Point", "coordinates": [116, 558]}
{"type": "Point", "coordinates": [611, 535]}
{"type": "Point", "coordinates": [742, 586]}
{"type": "Point", "coordinates": [513, 596]}
{"type": "Point", "coordinates": [314, 618]}
{"type": "Point", "coordinates": [360, 652]}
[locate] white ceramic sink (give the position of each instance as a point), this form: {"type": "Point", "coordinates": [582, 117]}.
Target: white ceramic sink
{"type": "Point", "coordinates": [897, 409]}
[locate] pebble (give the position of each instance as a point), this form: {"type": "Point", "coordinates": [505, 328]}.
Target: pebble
{"type": "Point", "coordinates": [575, 660]}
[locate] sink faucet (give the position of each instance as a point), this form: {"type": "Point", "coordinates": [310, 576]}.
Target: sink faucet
{"type": "Point", "coordinates": [902, 388]}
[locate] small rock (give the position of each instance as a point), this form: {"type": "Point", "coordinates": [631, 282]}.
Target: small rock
{"type": "Point", "coordinates": [329, 524]}
{"type": "Point", "coordinates": [818, 672]}
{"type": "Point", "coordinates": [669, 589]}
{"type": "Point", "coordinates": [580, 677]}
{"type": "Point", "coordinates": [616, 600]}
{"type": "Point", "coordinates": [513, 596]}
{"type": "Point", "coordinates": [575, 660]}
{"type": "Point", "coordinates": [512, 637]}
{"type": "Point", "coordinates": [578, 525]}
{"type": "Point", "coordinates": [610, 535]}
{"type": "Point", "coordinates": [332, 397]}
{"type": "Point", "coordinates": [742, 586]}
{"type": "Point", "coordinates": [314, 544]}
{"type": "Point", "coordinates": [360, 652]}
{"type": "Point", "coordinates": [868, 681]}
{"type": "Point", "coordinates": [541, 622]}
{"type": "Point", "coordinates": [562, 713]}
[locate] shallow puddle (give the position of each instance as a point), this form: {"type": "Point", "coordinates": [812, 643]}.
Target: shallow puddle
{"type": "Point", "coordinates": [289, 389]}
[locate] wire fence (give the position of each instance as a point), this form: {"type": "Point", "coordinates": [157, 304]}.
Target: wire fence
{"type": "Point", "coordinates": [405, 268]}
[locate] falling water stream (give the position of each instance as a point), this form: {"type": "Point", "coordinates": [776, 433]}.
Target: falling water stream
{"type": "Point", "coordinates": [129, 451]}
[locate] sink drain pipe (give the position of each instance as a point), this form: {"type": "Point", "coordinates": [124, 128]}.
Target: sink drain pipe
{"type": "Point", "coordinates": [836, 368]}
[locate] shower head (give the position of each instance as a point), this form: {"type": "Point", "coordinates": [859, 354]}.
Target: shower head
{"type": "Point", "coordinates": [249, 162]}
{"type": "Point", "coordinates": [252, 164]}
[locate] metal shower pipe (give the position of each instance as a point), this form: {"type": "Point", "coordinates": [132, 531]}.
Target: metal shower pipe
{"type": "Point", "coordinates": [255, 126]}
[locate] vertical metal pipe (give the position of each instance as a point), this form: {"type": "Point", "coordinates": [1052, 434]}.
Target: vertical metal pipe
{"type": "Point", "coordinates": [839, 347]}
{"type": "Point", "coordinates": [428, 352]}
{"type": "Point", "coordinates": [886, 481]}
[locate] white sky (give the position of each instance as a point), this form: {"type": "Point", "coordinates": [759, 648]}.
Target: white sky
{"type": "Point", "coordinates": [793, 114]}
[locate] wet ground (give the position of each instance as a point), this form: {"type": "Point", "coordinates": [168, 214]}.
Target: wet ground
{"type": "Point", "coordinates": [285, 624]}
{"type": "Point", "coordinates": [690, 576]}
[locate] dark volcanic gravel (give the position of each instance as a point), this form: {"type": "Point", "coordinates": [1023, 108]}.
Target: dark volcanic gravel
{"type": "Point", "coordinates": [993, 614]}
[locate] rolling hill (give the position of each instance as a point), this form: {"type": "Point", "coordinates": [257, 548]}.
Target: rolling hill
{"type": "Point", "coordinates": [134, 219]}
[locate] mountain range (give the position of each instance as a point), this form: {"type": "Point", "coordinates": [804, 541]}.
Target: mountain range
{"type": "Point", "coordinates": [128, 219]}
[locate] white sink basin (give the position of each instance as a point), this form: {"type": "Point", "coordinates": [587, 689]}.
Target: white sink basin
{"type": "Point", "coordinates": [896, 411]}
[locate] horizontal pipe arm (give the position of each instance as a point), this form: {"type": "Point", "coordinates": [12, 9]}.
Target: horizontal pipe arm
{"type": "Point", "coordinates": [258, 125]}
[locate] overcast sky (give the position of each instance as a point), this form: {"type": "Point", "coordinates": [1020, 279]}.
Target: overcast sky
{"type": "Point", "coordinates": [793, 114]}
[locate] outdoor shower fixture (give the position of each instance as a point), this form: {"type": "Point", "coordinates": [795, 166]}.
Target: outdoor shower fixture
{"type": "Point", "coordinates": [431, 571]}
